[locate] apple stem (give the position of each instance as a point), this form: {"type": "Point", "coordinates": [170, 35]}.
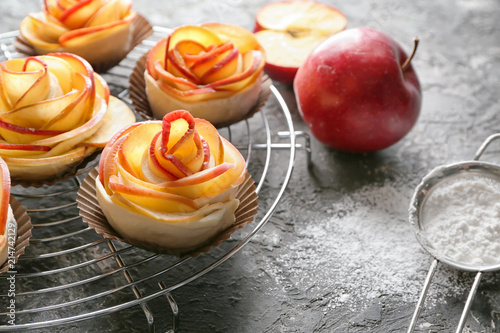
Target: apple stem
{"type": "Point", "coordinates": [405, 65]}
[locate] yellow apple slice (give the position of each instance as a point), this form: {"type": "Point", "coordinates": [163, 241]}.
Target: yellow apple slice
{"type": "Point", "coordinates": [39, 168]}
{"type": "Point", "coordinates": [212, 137]}
{"type": "Point", "coordinates": [109, 12]}
{"type": "Point", "coordinates": [179, 83]}
{"type": "Point", "coordinates": [88, 35]}
{"type": "Point", "coordinates": [110, 146]}
{"type": "Point", "coordinates": [32, 28]}
{"type": "Point", "coordinates": [23, 135]}
{"type": "Point", "coordinates": [61, 70]}
{"type": "Point", "coordinates": [157, 54]}
{"type": "Point", "coordinates": [193, 32]}
{"type": "Point", "coordinates": [252, 63]}
{"type": "Point", "coordinates": [137, 142]}
{"type": "Point", "coordinates": [242, 39]}
{"type": "Point", "coordinates": [37, 115]}
{"type": "Point", "coordinates": [154, 200]}
{"type": "Point", "coordinates": [42, 23]}
{"type": "Point", "coordinates": [77, 15]}
{"type": "Point", "coordinates": [118, 116]}
{"type": "Point", "coordinates": [21, 150]}
{"type": "Point", "coordinates": [77, 112]}
{"type": "Point", "coordinates": [67, 140]}
{"type": "Point", "coordinates": [16, 81]}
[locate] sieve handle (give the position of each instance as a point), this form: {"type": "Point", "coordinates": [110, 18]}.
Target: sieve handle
{"type": "Point", "coordinates": [468, 304]}
{"type": "Point", "coordinates": [423, 295]}
{"type": "Point", "coordinates": [485, 144]}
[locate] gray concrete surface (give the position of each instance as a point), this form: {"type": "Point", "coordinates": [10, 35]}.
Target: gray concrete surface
{"type": "Point", "coordinates": [339, 254]}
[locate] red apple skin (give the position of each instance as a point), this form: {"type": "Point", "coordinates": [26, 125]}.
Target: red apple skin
{"type": "Point", "coordinates": [282, 74]}
{"type": "Point", "coordinates": [354, 96]}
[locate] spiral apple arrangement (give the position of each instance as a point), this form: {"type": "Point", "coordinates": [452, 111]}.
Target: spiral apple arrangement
{"type": "Point", "coordinates": [54, 111]}
{"type": "Point", "coordinates": [97, 30]}
{"type": "Point", "coordinates": [170, 183]}
{"type": "Point", "coordinates": [214, 70]}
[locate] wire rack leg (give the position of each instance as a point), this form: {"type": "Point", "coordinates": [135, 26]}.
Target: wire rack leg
{"type": "Point", "coordinates": [174, 308]}
{"type": "Point", "coordinates": [137, 293]}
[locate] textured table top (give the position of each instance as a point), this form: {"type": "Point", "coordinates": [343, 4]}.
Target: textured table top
{"type": "Point", "coordinates": [339, 254]}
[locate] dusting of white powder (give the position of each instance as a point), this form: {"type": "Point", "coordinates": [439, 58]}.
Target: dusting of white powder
{"type": "Point", "coordinates": [461, 220]}
{"type": "Point", "coordinates": [371, 247]}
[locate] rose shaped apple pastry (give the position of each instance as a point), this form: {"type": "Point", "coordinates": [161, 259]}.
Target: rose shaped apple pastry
{"type": "Point", "coordinates": [98, 30]}
{"type": "Point", "coordinates": [171, 184]}
{"type": "Point", "coordinates": [214, 70]}
{"type": "Point", "coordinates": [8, 225]}
{"type": "Point", "coordinates": [54, 112]}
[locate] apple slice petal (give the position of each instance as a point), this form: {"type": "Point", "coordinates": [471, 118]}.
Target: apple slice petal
{"type": "Point", "coordinates": [252, 62]}
{"type": "Point", "coordinates": [77, 15]}
{"type": "Point", "coordinates": [16, 81]}
{"type": "Point", "coordinates": [179, 83]}
{"type": "Point", "coordinates": [23, 135]}
{"type": "Point", "coordinates": [83, 36]}
{"type": "Point", "coordinates": [188, 49]}
{"type": "Point", "coordinates": [42, 23]}
{"type": "Point", "coordinates": [37, 115]}
{"type": "Point", "coordinates": [36, 168]}
{"type": "Point", "coordinates": [193, 32]}
{"type": "Point", "coordinates": [61, 70]}
{"type": "Point", "coordinates": [177, 67]}
{"type": "Point", "coordinates": [195, 95]}
{"type": "Point", "coordinates": [69, 139]}
{"type": "Point", "coordinates": [118, 116]}
{"type": "Point", "coordinates": [210, 134]}
{"type": "Point", "coordinates": [157, 54]}
{"type": "Point", "coordinates": [109, 146]}
{"type": "Point", "coordinates": [225, 67]}
{"type": "Point", "coordinates": [30, 30]}
{"type": "Point", "coordinates": [152, 170]}
{"type": "Point", "coordinates": [242, 38]}
{"type": "Point", "coordinates": [21, 150]}
{"type": "Point", "coordinates": [77, 112]}
{"type": "Point", "coordinates": [137, 142]}
{"type": "Point", "coordinates": [154, 200]}
{"type": "Point", "coordinates": [109, 12]}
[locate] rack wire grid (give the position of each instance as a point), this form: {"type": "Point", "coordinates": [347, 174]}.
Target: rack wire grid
{"type": "Point", "coordinates": [70, 274]}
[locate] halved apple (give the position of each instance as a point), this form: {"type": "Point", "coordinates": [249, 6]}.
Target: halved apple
{"type": "Point", "coordinates": [289, 31]}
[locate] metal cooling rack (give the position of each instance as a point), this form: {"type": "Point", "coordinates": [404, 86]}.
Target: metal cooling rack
{"type": "Point", "coordinates": [70, 274]}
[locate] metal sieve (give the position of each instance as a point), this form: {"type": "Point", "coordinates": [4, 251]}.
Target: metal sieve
{"type": "Point", "coordinates": [436, 178]}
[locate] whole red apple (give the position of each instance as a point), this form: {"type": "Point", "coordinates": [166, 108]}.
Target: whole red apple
{"type": "Point", "coordinates": [358, 92]}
